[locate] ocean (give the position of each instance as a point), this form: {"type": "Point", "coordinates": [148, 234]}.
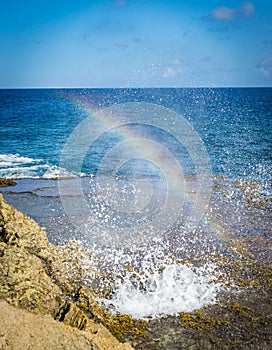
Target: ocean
{"type": "Point", "coordinates": [143, 178]}
{"type": "Point", "coordinates": [234, 124]}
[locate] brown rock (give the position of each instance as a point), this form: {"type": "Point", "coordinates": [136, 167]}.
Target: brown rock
{"type": "Point", "coordinates": [21, 329]}
{"type": "Point", "coordinates": [7, 182]}
{"type": "Point", "coordinates": [42, 278]}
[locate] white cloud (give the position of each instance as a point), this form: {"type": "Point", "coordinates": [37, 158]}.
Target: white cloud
{"type": "Point", "coordinates": [169, 72]}
{"type": "Point", "coordinates": [174, 68]}
{"type": "Point", "coordinates": [247, 9]}
{"type": "Point", "coordinates": [227, 14]}
{"type": "Point", "coordinates": [119, 3]}
{"type": "Point", "coordinates": [265, 72]}
{"type": "Point", "coordinates": [121, 45]}
{"type": "Point", "coordinates": [177, 62]}
{"type": "Point", "coordinates": [265, 67]}
{"type": "Point", "coordinates": [223, 13]}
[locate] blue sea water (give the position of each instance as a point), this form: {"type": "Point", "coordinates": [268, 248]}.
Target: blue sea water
{"type": "Point", "coordinates": [235, 125]}
{"type": "Point", "coordinates": [116, 201]}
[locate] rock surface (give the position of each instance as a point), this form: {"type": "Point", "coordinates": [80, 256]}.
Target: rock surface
{"type": "Point", "coordinates": [6, 182]}
{"type": "Point", "coordinates": [47, 285]}
{"type": "Point", "coordinates": [21, 329]}
{"type": "Point", "coordinates": [37, 283]}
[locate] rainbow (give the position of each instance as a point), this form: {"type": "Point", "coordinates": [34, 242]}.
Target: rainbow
{"type": "Point", "coordinates": [120, 119]}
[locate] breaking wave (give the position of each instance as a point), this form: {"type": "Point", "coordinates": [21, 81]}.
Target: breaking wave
{"type": "Point", "coordinates": [15, 166]}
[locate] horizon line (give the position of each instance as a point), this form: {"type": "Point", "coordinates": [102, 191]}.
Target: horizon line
{"type": "Point", "coordinates": [135, 87]}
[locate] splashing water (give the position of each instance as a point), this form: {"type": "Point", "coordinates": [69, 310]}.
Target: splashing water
{"type": "Point", "coordinates": [175, 289]}
{"type": "Point", "coordinates": [149, 281]}
{"type": "Point", "coordinates": [143, 211]}
{"type": "Point", "coordinates": [118, 218]}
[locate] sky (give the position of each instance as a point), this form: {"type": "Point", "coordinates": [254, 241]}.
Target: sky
{"type": "Point", "coordinates": [135, 43]}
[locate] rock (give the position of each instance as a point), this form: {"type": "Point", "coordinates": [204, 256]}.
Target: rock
{"type": "Point", "coordinates": [42, 278]}
{"type": "Point", "coordinates": [4, 345]}
{"type": "Point", "coordinates": [25, 330]}
{"type": "Point", "coordinates": [7, 182]}
{"type": "Point", "coordinates": [86, 302]}
{"type": "Point", "coordinates": [24, 282]}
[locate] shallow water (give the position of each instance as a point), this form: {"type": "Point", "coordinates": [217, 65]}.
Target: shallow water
{"type": "Point", "coordinates": [149, 272]}
{"type": "Point", "coordinates": [159, 184]}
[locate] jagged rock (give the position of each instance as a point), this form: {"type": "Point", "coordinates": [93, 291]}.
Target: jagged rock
{"type": "Point", "coordinates": [24, 282]}
{"type": "Point", "coordinates": [25, 330]}
{"type": "Point", "coordinates": [37, 276]}
{"type": "Point", "coordinates": [86, 302]}
{"type": "Point", "coordinates": [7, 182]}
{"type": "Point", "coordinates": [72, 316]}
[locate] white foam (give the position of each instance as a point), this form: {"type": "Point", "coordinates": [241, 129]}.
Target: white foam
{"type": "Point", "coordinates": [178, 288]}
{"type": "Point", "coordinates": [14, 166]}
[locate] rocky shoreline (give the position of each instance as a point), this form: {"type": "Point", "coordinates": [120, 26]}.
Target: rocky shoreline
{"type": "Point", "coordinates": [47, 303]}
{"type": "Point", "coordinates": [38, 286]}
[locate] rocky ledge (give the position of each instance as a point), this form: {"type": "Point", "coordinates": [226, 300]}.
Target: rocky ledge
{"type": "Point", "coordinates": [6, 182]}
{"type": "Point", "coordinates": [47, 302]}
{"type": "Point", "coordinates": [43, 303]}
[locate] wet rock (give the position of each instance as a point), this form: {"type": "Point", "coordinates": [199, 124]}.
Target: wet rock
{"type": "Point", "coordinates": [86, 302]}
{"type": "Point", "coordinates": [42, 278]}
{"type": "Point", "coordinates": [51, 282]}
{"type": "Point", "coordinates": [7, 182]}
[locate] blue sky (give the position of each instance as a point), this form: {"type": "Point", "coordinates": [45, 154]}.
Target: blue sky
{"type": "Point", "coordinates": [135, 43]}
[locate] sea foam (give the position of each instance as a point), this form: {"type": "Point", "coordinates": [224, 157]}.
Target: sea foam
{"type": "Point", "coordinates": [177, 288]}
{"type": "Point", "coordinates": [15, 166]}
